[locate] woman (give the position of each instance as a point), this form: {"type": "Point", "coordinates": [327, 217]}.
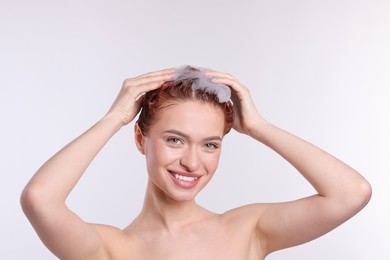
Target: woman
{"type": "Point", "coordinates": [185, 115]}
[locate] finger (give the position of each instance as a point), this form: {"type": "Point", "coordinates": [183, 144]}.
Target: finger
{"type": "Point", "coordinates": [148, 86]}
{"type": "Point", "coordinates": [145, 80]}
{"type": "Point", "coordinates": [239, 92]}
{"type": "Point", "coordinates": [140, 97]}
{"type": "Point", "coordinates": [212, 74]}
{"type": "Point", "coordinates": [159, 72]}
{"type": "Point", "coordinates": [232, 82]}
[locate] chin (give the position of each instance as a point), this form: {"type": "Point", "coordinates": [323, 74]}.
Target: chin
{"type": "Point", "coordinates": [181, 197]}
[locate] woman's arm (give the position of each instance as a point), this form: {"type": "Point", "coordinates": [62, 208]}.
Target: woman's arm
{"type": "Point", "coordinates": [43, 198]}
{"type": "Point", "coordinates": [342, 192]}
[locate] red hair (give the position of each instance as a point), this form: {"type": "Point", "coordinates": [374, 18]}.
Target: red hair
{"type": "Point", "coordinates": [176, 91]}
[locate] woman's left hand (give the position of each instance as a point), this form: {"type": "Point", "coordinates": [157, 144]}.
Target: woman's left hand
{"type": "Point", "coordinates": [246, 115]}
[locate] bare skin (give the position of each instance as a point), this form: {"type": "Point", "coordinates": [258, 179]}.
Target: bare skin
{"type": "Point", "coordinates": [171, 225]}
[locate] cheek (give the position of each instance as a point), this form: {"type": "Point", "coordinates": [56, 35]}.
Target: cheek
{"type": "Point", "coordinates": [211, 161]}
{"type": "Point", "coordinates": [158, 154]}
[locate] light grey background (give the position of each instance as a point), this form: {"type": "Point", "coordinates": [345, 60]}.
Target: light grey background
{"type": "Point", "coordinates": [319, 69]}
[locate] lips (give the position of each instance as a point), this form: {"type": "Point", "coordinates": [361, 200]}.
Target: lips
{"type": "Point", "coordinates": [185, 180]}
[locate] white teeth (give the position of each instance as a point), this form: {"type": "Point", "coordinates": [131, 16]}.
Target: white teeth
{"type": "Point", "coordinates": [185, 178]}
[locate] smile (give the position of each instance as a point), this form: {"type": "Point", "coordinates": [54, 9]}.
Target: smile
{"type": "Point", "coordinates": [184, 178]}
{"type": "Point", "coordinates": [184, 181]}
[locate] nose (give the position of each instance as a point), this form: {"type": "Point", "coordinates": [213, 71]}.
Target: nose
{"type": "Point", "coordinates": [190, 159]}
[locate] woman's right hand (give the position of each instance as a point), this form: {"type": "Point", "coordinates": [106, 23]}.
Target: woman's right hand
{"type": "Point", "coordinates": [247, 118]}
{"type": "Point", "coordinates": [127, 104]}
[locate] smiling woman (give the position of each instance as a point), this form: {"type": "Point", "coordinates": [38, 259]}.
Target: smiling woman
{"type": "Point", "coordinates": [184, 116]}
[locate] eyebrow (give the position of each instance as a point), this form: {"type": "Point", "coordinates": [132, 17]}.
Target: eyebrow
{"type": "Point", "coordinates": [186, 136]}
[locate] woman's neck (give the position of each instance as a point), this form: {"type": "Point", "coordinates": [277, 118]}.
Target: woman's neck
{"type": "Point", "coordinates": [162, 212]}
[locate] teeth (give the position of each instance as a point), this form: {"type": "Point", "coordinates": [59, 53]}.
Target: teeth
{"type": "Point", "coordinates": [184, 178]}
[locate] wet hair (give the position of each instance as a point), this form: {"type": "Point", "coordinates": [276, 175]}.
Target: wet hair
{"type": "Point", "coordinates": [201, 81]}
{"type": "Point", "coordinates": [179, 90]}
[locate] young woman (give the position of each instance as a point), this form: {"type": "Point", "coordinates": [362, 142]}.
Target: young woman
{"type": "Point", "coordinates": [180, 130]}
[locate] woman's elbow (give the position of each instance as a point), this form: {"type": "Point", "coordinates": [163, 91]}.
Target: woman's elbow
{"type": "Point", "coordinates": [364, 193]}
{"type": "Point", "coordinates": [32, 200]}
{"type": "Point", "coordinates": [27, 199]}
{"type": "Point", "coordinates": [357, 195]}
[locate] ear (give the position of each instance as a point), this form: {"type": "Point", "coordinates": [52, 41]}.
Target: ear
{"type": "Point", "coordinates": [139, 138]}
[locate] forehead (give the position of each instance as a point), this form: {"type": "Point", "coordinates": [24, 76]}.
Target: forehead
{"type": "Point", "coordinates": [194, 118]}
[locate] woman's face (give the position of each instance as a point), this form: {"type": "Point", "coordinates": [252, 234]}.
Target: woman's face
{"type": "Point", "coordinates": [182, 148]}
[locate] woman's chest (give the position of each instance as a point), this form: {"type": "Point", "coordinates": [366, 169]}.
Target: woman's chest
{"type": "Point", "coordinates": [197, 244]}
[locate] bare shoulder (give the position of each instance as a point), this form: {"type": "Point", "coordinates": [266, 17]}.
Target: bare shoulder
{"type": "Point", "coordinates": [248, 213]}
{"type": "Point", "coordinates": [242, 226]}
{"type": "Point", "coordinates": [109, 232]}
{"type": "Point", "coordinates": [117, 243]}
{"type": "Point", "coordinates": [245, 218]}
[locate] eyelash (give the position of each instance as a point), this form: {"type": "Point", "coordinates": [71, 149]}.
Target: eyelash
{"type": "Point", "coordinates": [214, 146]}
{"type": "Point", "coordinates": [175, 140]}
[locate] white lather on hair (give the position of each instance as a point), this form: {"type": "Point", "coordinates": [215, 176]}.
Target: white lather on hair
{"type": "Point", "coordinates": [222, 91]}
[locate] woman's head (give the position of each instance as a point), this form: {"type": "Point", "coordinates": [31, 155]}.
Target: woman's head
{"type": "Point", "coordinates": [180, 131]}
{"type": "Point", "coordinates": [189, 85]}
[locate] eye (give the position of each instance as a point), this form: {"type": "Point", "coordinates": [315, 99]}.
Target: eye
{"type": "Point", "coordinates": [211, 146]}
{"type": "Point", "coordinates": [174, 140]}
